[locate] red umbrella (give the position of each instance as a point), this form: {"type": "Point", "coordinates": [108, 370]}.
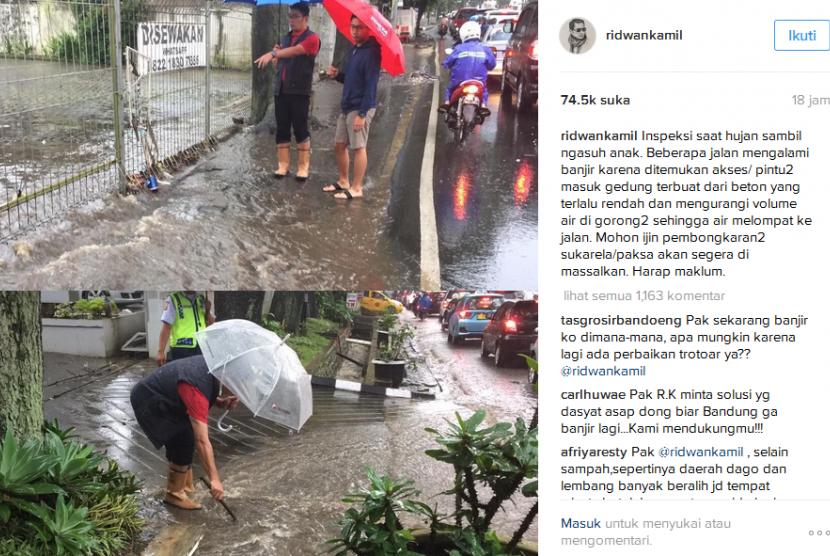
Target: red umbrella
{"type": "Point", "coordinates": [390, 45]}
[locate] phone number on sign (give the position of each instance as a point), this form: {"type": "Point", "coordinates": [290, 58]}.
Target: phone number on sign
{"type": "Point", "coordinates": [176, 62]}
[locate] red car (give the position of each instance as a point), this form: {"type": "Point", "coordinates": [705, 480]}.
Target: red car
{"type": "Point", "coordinates": [512, 331]}
{"type": "Point", "coordinates": [461, 17]}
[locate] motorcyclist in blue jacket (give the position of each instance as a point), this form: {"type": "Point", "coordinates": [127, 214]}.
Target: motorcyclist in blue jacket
{"type": "Point", "coordinates": [469, 60]}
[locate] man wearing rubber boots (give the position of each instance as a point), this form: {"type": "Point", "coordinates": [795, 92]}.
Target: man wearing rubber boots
{"type": "Point", "coordinates": [171, 406]}
{"type": "Point", "coordinates": [295, 57]}
{"type": "Point", "coordinates": [185, 313]}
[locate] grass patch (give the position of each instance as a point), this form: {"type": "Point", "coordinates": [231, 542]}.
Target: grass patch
{"type": "Point", "coordinates": [311, 343]}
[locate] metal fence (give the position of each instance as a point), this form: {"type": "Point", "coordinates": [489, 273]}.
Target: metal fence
{"type": "Point", "coordinates": [85, 111]}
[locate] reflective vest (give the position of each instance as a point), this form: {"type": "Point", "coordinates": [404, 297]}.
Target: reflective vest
{"type": "Point", "coordinates": [190, 318]}
{"type": "Point", "coordinates": [299, 70]}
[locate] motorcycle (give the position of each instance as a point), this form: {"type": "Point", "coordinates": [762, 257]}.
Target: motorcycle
{"type": "Point", "coordinates": [442, 31]}
{"type": "Point", "coordinates": [422, 314]}
{"type": "Point", "coordinates": [466, 109]}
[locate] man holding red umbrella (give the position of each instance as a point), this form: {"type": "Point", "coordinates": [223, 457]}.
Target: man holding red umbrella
{"type": "Point", "coordinates": [360, 86]}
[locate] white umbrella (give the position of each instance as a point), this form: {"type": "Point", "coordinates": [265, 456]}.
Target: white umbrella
{"type": "Point", "coordinates": [257, 366]}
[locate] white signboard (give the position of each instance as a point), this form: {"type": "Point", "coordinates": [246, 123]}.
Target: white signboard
{"type": "Point", "coordinates": [351, 300]}
{"type": "Point", "coordinates": [172, 45]}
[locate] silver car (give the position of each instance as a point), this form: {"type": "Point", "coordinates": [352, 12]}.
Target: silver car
{"type": "Point", "coordinates": [496, 40]}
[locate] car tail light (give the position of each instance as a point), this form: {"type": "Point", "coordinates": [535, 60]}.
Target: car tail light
{"type": "Point", "coordinates": [470, 90]}
{"type": "Point", "coordinates": [508, 53]}
{"type": "Point", "coordinates": [464, 314]}
{"type": "Point", "coordinates": [510, 326]}
{"type": "Point", "coordinates": [495, 51]}
{"type": "Point", "coordinates": [532, 52]}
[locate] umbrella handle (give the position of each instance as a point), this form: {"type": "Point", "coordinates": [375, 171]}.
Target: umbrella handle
{"type": "Point", "coordinates": [222, 428]}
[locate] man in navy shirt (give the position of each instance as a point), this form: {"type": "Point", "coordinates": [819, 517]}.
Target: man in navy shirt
{"type": "Point", "coordinates": [360, 86]}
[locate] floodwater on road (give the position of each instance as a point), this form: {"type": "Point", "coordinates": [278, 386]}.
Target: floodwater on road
{"type": "Point", "coordinates": [285, 489]}
{"type": "Point", "coordinates": [228, 223]}
{"type": "Point", "coordinates": [487, 198]}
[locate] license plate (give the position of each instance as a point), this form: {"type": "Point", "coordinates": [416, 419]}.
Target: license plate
{"type": "Point", "coordinates": [482, 316]}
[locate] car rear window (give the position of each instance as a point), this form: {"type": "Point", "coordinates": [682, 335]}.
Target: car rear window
{"type": "Point", "coordinates": [484, 303]}
{"type": "Point", "coordinates": [526, 310]}
{"type": "Point", "coordinates": [500, 36]}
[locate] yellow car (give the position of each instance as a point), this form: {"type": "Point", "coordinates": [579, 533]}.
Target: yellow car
{"type": "Point", "coordinates": [378, 302]}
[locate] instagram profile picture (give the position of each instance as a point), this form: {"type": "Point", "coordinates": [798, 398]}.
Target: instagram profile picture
{"type": "Point", "coordinates": [577, 35]}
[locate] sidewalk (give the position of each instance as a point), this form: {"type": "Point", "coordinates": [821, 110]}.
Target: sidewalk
{"type": "Point", "coordinates": [92, 395]}
{"type": "Point", "coordinates": [286, 489]}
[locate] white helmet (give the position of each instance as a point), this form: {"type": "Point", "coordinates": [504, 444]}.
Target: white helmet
{"type": "Point", "coordinates": [470, 30]}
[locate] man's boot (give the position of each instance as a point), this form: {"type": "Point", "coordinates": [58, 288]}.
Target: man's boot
{"type": "Point", "coordinates": [305, 161]}
{"type": "Point", "coordinates": [188, 481]}
{"type": "Point", "coordinates": [284, 155]}
{"type": "Point", "coordinates": [175, 495]}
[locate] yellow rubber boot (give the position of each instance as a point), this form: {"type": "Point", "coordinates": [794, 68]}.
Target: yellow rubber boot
{"type": "Point", "coordinates": [175, 495]}
{"type": "Point", "coordinates": [188, 481]}
{"type": "Point", "coordinates": [284, 154]}
{"type": "Point", "coordinates": [304, 163]}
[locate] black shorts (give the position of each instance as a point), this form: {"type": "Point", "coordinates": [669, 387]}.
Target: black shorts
{"type": "Point", "coordinates": [291, 111]}
{"type": "Point", "coordinates": [183, 353]}
{"type": "Point", "coordinates": [179, 449]}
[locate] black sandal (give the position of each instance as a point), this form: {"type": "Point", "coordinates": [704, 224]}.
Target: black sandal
{"type": "Point", "coordinates": [348, 195]}
{"type": "Point", "coordinates": [337, 187]}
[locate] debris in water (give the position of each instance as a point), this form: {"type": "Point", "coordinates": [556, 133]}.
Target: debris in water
{"type": "Point", "coordinates": [23, 250]}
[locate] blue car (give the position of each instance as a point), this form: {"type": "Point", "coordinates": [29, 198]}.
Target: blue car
{"type": "Point", "coordinates": [472, 316]}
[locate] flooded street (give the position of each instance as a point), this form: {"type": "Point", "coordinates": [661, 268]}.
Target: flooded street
{"type": "Point", "coordinates": [229, 224]}
{"type": "Point", "coordinates": [286, 489]}
{"type": "Point", "coordinates": [487, 197]}
{"type": "Point", "coordinates": [225, 222]}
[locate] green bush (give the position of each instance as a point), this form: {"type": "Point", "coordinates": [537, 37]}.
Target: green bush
{"type": "Point", "coordinates": [394, 349]}
{"type": "Point", "coordinates": [89, 309]}
{"type": "Point", "coordinates": [502, 461]}
{"type": "Point", "coordinates": [389, 320]}
{"type": "Point", "coordinates": [61, 496]}
{"type": "Point", "coordinates": [18, 48]}
{"type": "Point", "coordinates": [90, 44]}
{"type": "Point", "coordinates": [270, 323]}
{"type": "Point", "coordinates": [336, 311]}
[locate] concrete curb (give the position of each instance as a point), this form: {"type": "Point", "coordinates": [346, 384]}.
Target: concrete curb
{"type": "Point", "coordinates": [367, 389]}
{"type": "Point", "coordinates": [430, 260]}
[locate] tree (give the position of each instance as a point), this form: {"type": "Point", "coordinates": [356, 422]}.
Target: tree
{"type": "Point", "coordinates": [270, 22]}
{"type": "Point", "coordinates": [423, 7]}
{"type": "Point", "coordinates": [290, 307]}
{"type": "Point", "coordinates": [239, 305]}
{"type": "Point", "coordinates": [21, 364]}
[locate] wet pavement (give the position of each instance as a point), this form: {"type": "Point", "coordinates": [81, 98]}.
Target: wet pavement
{"type": "Point", "coordinates": [56, 121]}
{"type": "Point", "coordinates": [226, 223]}
{"type": "Point", "coordinates": [286, 489]}
{"type": "Point", "coordinates": [487, 197]}
{"type": "Point", "coordinates": [469, 380]}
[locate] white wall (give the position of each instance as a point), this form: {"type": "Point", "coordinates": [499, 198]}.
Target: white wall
{"type": "Point", "coordinates": [34, 24]}
{"type": "Point", "coordinates": [321, 23]}
{"type": "Point", "coordinates": [90, 338]}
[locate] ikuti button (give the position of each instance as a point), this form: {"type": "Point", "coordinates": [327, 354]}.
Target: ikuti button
{"type": "Point", "coordinates": [802, 34]}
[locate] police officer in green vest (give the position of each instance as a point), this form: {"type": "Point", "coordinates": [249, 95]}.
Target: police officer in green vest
{"type": "Point", "coordinates": [185, 313]}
